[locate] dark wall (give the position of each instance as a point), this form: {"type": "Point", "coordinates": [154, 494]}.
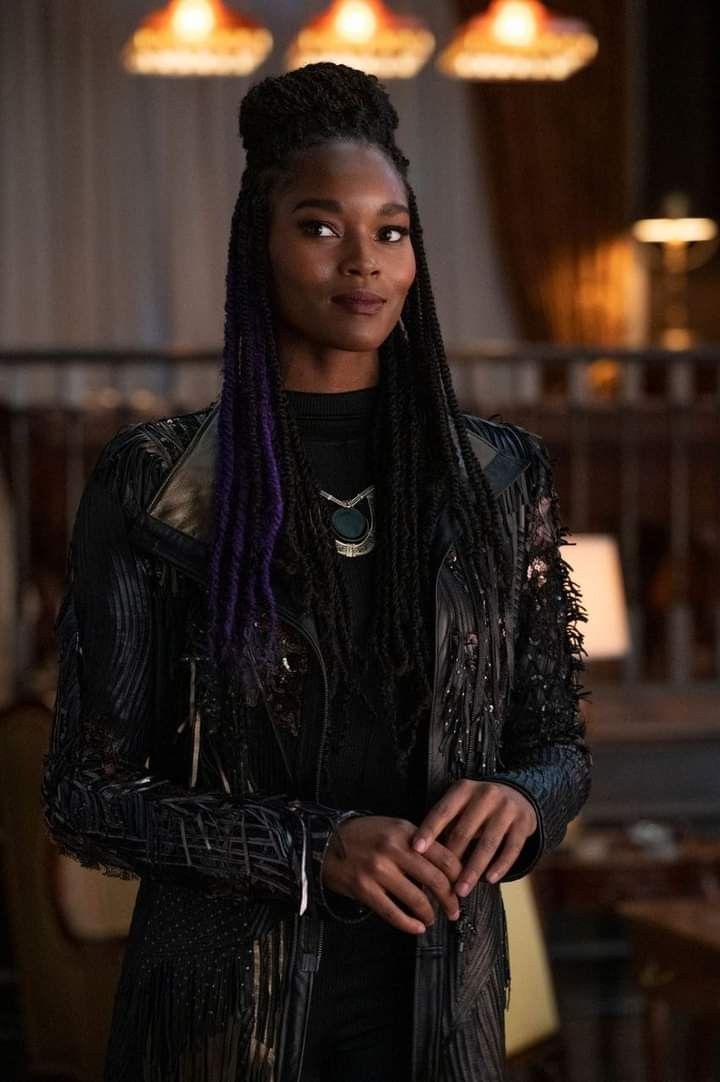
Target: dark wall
{"type": "Point", "coordinates": [682, 105]}
{"type": "Point", "coordinates": [679, 133]}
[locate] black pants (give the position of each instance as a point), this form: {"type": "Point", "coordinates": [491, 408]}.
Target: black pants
{"type": "Point", "coordinates": [361, 1013]}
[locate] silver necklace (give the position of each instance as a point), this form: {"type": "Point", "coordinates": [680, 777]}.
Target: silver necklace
{"type": "Point", "coordinates": [354, 531]}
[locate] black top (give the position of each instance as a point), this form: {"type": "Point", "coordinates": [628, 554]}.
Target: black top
{"type": "Point", "coordinates": [336, 428]}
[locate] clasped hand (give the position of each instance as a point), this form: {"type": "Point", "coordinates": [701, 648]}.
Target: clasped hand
{"type": "Point", "coordinates": [390, 860]}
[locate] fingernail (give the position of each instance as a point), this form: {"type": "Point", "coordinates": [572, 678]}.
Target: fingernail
{"type": "Point", "coordinates": [455, 915]}
{"type": "Point", "coordinates": [420, 928]}
{"type": "Point", "coordinates": [462, 889]}
{"type": "Point", "coordinates": [492, 876]}
{"type": "Point", "coordinates": [420, 844]}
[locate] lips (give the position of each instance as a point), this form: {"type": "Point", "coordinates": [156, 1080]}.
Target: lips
{"type": "Point", "coordinates": [360, 301]}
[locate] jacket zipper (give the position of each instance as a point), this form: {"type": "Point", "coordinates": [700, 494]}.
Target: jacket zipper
{"type": "Point", "coordinates": [321, 932]}
{"type": "Point", "coordinates": [316, 647]}
{"type": "Point", "coordinates": [435, 663]}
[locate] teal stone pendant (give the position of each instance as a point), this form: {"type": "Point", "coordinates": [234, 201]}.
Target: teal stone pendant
{"type": "Point", "coordinates": [349, 523]}
{"type": "Point", "coordinates": [354, 531]}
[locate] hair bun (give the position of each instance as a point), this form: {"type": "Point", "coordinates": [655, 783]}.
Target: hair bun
{"type": "Point", "coordinates": [325, 99]}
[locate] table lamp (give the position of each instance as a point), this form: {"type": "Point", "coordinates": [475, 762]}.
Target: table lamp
{"type": "Point", "coordinates": [595, 562]}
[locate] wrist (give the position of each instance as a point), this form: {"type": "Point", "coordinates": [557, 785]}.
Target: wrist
{"type": "Point", "coordinates": [341, 907]}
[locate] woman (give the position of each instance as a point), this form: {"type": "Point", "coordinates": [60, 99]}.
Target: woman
{"type": "Point", "coordinates": [318, 667]}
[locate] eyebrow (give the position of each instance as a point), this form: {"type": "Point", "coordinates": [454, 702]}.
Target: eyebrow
{"type": "Point", "coordinates": [333, 204]}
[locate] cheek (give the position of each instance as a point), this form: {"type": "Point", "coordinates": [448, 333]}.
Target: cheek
{"type": "Point", "coordinates": [412, 268]}
{"type": "Point", "coordinates": [405, 276]}
{"type": "Point", "coordinates": [299, 281]}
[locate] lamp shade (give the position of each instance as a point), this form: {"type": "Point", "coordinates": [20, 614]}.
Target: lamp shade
{"type": "Point", "coordinates": [595, 563]}
{"type": "Point", "coordinates": [196, 37]}
{"type": "Point", "coordinates": [675, 222]}
{"type": "Point", "coordinates": [363, 34]}
{"type": "Point", "coordinates": [518, 39]}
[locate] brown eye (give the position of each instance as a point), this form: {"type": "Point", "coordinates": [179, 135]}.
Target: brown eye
{"type": "Point", "coordinates": [309, 225]}
{"type": "Point", "coordinates": [401, 229]}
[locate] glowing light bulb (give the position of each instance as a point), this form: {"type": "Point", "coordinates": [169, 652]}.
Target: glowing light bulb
{"type": "Point", "coordinates": [193, 20]}
{"type": "Point", "coordinates": [356, 21]}
{"type": "Point", "coordinates": [515, 23]}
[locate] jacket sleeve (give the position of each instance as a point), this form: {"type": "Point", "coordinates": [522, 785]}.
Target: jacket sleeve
{"type": "Point", "coordinates": [544, 754]}
{"type": "Point", "coordinates": [101, 802]}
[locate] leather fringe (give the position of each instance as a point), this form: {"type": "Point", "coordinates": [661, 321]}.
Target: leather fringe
{"type": "Point", "coordinates": [209, 1020]}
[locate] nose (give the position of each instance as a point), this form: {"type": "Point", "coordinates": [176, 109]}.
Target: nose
{"type": "Point", "coordinates": [359, 256]}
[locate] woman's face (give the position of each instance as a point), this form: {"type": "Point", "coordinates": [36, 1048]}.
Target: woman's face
{"type": "Point", "coordinates": [339, 223]}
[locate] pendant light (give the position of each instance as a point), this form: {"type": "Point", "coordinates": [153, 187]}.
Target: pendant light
{"type": "Point", "coordinates": [518, 39]}
{"type": "Point", "coordinates": [364, 34]}
{"type": "Point", "coordinates": [196, 37]}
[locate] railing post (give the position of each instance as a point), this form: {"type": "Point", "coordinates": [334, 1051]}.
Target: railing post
{"type": "Point", "coordinates": [629, 543]}
{"type": "Point", "coordinates": [680, 624]}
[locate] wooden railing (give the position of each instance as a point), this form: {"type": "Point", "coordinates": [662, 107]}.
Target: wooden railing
{"type": "Point", "coordinates": [636, 441]}
{"type": "Point", "coordinates": [635, 436]}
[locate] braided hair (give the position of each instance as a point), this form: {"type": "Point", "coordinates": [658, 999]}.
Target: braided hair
{"type": "Point", "coordinates": [268, 518]}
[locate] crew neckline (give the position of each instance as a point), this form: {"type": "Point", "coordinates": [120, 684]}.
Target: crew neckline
{"type": "Point", "coordinates": [359, 402]}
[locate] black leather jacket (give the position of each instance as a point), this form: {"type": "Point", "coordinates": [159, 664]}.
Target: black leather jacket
{"type": "Point", "coordinates": [207, 787]}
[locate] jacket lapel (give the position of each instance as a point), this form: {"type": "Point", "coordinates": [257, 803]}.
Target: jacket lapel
{"type": "Point", "coordinates": [500, 469]}
{"type": "Point", "coordinates": [175, 524]}
{"type": "Point", "coordinates": [184, 499]}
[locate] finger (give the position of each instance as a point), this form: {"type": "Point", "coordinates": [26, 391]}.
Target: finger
{"type": "Point", "coordinates": [467, 826]}
{"type": "Point", "coordinates": [484, 850]}
{"type": "Point", "coordinates": [382, 904]}
{"type": "Point", "coordinates": [510, 852]}
{"type": "Point", "coordinates": [440, 815]}
{"type": "Point", "coordinates": [424, 871]}
{"type": "Point", "coordinates": [388, 869]}
{"type": "Point", "coordinates": [407, 888]}
{"type": "Point", "coordinates": [444, 859]}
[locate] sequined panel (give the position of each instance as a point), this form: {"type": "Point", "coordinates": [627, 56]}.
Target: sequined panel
{"type": "Point", "coordinates": [544, 749]}
{"type": "Point", "coordinates": [474, 679]}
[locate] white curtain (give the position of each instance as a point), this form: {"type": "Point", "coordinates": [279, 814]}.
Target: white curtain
{"type": "Point", "coordinates": [116, 191]}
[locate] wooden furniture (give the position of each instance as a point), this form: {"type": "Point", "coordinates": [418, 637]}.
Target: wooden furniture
{"type": "Point", "coordinates": [579, 889]}
{"type": "Point", "coordinates": [654, 753]}
{"type": "Point", "coordinates": [604, 867]}
{"type": "Point", "coordinates": [676, 962]}
{"type": "Point", "coordinates": [67, 923]}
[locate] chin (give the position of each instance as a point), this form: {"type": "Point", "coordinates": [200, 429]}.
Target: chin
{"type": "Point", "coordinates": [348, 343]}
{"type": "Point", "coordinates": [360, 342]}
{"type": "Point", "coordinates": [361, 345]}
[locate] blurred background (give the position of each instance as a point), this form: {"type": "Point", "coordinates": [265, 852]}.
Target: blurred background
{"type": "Point", "coordinates": [567, 165]}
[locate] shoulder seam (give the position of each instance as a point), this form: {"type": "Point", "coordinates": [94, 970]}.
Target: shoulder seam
{"type": "Point", "coordinates": [523, 440]}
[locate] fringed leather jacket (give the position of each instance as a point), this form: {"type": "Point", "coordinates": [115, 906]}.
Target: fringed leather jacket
{"type": "Point", "coordinates": [206, 787]}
